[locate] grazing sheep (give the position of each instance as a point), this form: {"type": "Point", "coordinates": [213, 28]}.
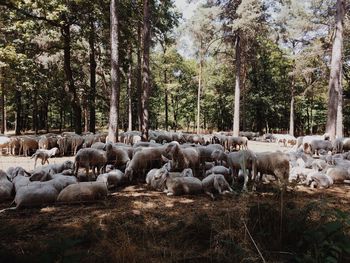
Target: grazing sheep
{"type": "Point", "coordinates": [317, 145]}
{"type": "Point", "coordinates": [273, 163]}
{"type": "Point", "coordinates": [116, 155]}
{"type": "Point", "coordinates": [82, 192]}
{"type": "Point", "coordinates": [90, 158]}
{"type": "Point", "coordinates": [6, 186]}
{"type": "Point", "coordinates": [143, 161]}
{"type": "Point", "coordinates": [4, 143]}
{"type": "Point", "coordinates": [44, 155]}
{"type": "Point", "coordinates": [215, 183]}
{"type": "Point", "coordinates": [28, 144]}
{"type": "Point", "coordinates": [338, 145]}
{"type": "Point", "coordinates": [219, 156]}
{"type": "Point", "coordinates": [113, 178]}
{"type": "Point", "coordinates": [183, 185]}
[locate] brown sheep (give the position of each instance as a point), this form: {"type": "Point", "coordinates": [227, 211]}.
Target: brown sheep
{"type": "Point", "coordinates": [28, 144]}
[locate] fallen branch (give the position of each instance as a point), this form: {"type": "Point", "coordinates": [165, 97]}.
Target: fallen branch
{"type": "Point", "coordinates": [246, 228]}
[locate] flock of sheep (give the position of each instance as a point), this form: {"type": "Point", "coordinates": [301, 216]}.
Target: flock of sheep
{"type": "Point", "coordinates": [171, 162]}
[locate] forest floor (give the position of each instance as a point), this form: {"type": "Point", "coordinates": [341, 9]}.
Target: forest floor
{"type": "Point", "coordinates": [135, 224]}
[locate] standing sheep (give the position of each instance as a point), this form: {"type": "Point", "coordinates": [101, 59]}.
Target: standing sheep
{"type": "Point", "coordinates": [44, 155]}
{"type": "Point", "coordinates": [90, 158]}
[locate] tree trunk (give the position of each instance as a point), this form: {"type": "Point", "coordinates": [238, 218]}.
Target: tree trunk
{"type": "Point", "coordinates": [166, 101]}
{"type": "Point", "coordinates": [18, 126]}
{"type": "Point", "coordinates": [145, 69]}
{"type": "Point", "coordinates": [334, 88]}
{"type": "Point", "coordinates": [92, 93]}
{"type": "Point", "coordinates": [74, 99]}
{"type": "Point", "coordinates": [129, 88]}
{"type": "Point", "coordinates": [291, 117]}
{"type": "Point", "coordinates": [139, 75]}
{"type": "Point", "coordinates": [199, 88]}
{"type": "Point", "coordinates": [35, 111]}
{"type": "Point", "coordinates": [115, 89]}
{"type": "Point", "coordinates": [3, 104]}
{"type": "Point", "coordinates": [237, 87]}
{"type": "Point", "coordinates": [339, 126]}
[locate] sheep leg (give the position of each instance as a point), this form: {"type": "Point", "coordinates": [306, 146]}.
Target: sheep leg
{"type": "Point", "coordinates": [210, 194]}
{"type": "Point", "coordinates": [36, 158]}
{"type": "Point", "coordinates": [87, 173]}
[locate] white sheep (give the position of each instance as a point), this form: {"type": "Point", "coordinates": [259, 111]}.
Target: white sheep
{"type": "Point", "coordinates": [183, 186]}
{"type": "Point", "coordinates": [6, 186]}
{"type": "Point", "coordinates": [215, 183]}
{"type": "Point", "coordinates": [42, 193]}
{"type": "Point", "coordinates": [44, 155]}
{"type": "Point", "coordinates": [113, 178]}
{"type": "Point", "coordinates": [85, 191]}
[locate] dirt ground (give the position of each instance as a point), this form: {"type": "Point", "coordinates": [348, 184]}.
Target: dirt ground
{"type": "Point", "coordinates": [135, 224]}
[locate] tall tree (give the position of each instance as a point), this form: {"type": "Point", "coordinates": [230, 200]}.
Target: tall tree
{"type": "Point", "coordinates": [115, 83]}
{"type": "Point", "coordinates": [146, 40]}
{"type": "Point", "coordinates": [334, 124]}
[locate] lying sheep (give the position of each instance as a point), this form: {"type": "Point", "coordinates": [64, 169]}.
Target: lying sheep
{"type": "Point", "coordinates": [319, 180]}
{"type": "Point", "coordinates": [41, 173]}
{"type": "Point", "coordinates": [113, 178]}
{"type": "Point", "coordinates": [6, 186]}
{"type": "Point", "coordinates": [42, 193]}
{"type": "Point", "coordinates": [12, 172]}
{"type": "Point", "coordinates": [156, 178]}
{"type": "Point", "coordinates": [319, 165]}
{"type": "Point", "coordinates": [338, 174]}
{"type": "Point", "coordinates": [85, 191]}
{"type": "Point", "coordinates": [183, 186]}
{"type": "Point", "coordinates": [299, 174]}
{"type": "Point", "coordinates": [215, 183]}
{"type": "Point", "coordinates": [90, 158]}
{"type": "Point", "coordinates": [226, 172]}
{"type": "Point", "coordinates": [44, 155]}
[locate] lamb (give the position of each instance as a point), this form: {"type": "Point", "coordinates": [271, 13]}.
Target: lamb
{"type": "Point", "coordinates": [44, 155]}
{"type": "Point", "coordinates": [6, 187]}
{"type": "Point", "coordinates": [113, 178]}
{"type": "Point", "coordinates": [85, 191]}
{"type": "Point", "coordinates": [90, 158]}
{"type": "Point", "coordinates": [42, 193]}
{"type": "Point", "coordinates": [215, 183]}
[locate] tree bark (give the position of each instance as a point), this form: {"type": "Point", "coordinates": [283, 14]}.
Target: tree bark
{"type": "Point", "coordinates": [199, 87]}
{"type": "Point", "coordinates": [74, 99]}
{"type": "Point", "coordinates": [35, 111]}
{"type": "Point", "coordinates": [129, 88]}
{"type": "Point", "coordinates": [115, 84]}
{"type": "Point", "coordinates": [146, 33]}
{"type": "Point", "coordinates": [291, 117]}
{"type": "Point", "coordinates": [18, 124]}
{"type": "Point", "coordinates": [237, 87]}
{"type": "Point", "coordinates": [334, 88]}
{"type": "Point", "coordinates": [3, 104]}
{"type": "Point", "coordinates": [93, 65]}
{"type": "Point", "coordinates": [139, 75]}
{"type": "Point", "coordinates": [166, 101]}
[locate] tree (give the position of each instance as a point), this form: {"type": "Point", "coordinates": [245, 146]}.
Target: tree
{"type": "Point", "coordinates": [115, 82]}
{"type": "Point", "coordinates": [146, 40]}
{"type": "Point", "coordinates": [334, 124]}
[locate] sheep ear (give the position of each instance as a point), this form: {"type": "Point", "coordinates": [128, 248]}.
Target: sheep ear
{"type": "Point", "coordinates": [164, 159]}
